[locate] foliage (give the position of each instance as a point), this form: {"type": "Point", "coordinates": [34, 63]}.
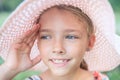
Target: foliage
{"type": "Point", "coordinates": [3, 16]}
{"type": "Point", "coordinates": [6, 5]}
{"type": "Point", "coordinates": [115, 4]}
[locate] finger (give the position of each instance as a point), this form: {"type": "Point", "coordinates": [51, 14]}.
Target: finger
{"type": "Point", "coordinates": [20, 39]}
{"type": "Point", "coordinates": [32, 37]}
{"type": "Point", "coordinates": [31, 33]}
{"type": "Point", "coordinates": [36, 60]}
{"type": "Point", "coordinates": [30, 45]}
{"type": "Point", "coordinates": [26, 35]}
{"type": "Point", "coordinates": [32, 41]}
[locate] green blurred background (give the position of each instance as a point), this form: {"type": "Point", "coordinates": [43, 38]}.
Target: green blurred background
{"type": "Point", "coordinates": [7, 6]}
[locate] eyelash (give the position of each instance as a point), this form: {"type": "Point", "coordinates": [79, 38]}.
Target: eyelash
{"type": "Point", "coordinates": [72, 37]}
{"type": "Point", "coordinates": [45, 37]}
{"type": "Point", "coordinates": [66, 37]}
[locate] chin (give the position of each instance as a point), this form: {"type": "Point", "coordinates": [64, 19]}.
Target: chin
{"type": "Point", "coordinates": [60, 72]}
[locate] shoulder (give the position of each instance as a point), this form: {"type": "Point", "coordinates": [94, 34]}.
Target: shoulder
{"type": "Point", "coordinates": [95, 76]}
{"type": "Point", "coordinates": [33, 77]}
{"type": "Point", "coordinates": [100, 76]}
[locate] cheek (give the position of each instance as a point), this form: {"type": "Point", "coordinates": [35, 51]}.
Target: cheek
{"type": "Point", "coordinates": [76, 49]}
{"type": "Point", "coordinates": [44, 49]}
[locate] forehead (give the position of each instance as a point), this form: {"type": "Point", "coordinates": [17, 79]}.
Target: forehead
{"type": "Point", "coordinates": [58, 18]}
{"type": "Point", "coordinates": [57, 13]}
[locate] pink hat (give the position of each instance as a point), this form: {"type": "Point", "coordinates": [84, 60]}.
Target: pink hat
{"type": "Point", "coordinates": [104, 56]}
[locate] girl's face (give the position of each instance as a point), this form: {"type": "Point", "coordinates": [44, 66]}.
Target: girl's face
{"type": "Point", "coordinates": [62, 41]}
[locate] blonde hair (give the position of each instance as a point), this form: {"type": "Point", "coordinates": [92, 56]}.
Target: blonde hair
{"type": "Point", "coordinates": [82, 17]}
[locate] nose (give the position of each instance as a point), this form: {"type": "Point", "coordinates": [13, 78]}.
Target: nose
{"type": "Point", "coordinates": [58, 48]}
{"type": "Point", "coordinates": [58, 51]}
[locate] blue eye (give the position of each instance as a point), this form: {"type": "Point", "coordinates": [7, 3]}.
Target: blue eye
{"type": "Point", "coordinates": [45, 37]}
{"type": "Point", "coordinates": [71, 37]}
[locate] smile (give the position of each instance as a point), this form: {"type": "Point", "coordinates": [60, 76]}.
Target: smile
{"type": "Point", "coordinates": [59, 62]}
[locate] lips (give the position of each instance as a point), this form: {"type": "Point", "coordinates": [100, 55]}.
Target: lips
{"type": "Point", "coordinates": [59, 62]}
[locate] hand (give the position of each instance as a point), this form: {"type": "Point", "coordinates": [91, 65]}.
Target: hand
{"type": "Point", "coordinates": [19, 54]}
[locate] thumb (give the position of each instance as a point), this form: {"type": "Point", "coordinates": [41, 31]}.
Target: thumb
{"type": "Point", "coordinates": [36, 60]}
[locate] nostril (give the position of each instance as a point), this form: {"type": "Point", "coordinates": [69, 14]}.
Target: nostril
{"type": "Point", "coordinates": [59, 51]}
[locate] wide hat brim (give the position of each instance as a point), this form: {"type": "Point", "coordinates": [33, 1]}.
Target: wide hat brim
{"type": "Point", "coordinates": [104, 56]}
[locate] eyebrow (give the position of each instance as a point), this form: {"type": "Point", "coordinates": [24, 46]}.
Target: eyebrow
{"type": "Point", "coordinates": [45, 30]}
{"type": "Point", "coordinates": [72, 30]}
{"type": "Point", "coordinates": [67, 30]}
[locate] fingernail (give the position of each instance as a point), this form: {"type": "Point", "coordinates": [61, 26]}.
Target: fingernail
{"type": "Point", "coordinates": [35, 26]}
{"type": "Point", "coordinates": [28, 31]}
{"type": "Point", "coordinates": [38, 26]}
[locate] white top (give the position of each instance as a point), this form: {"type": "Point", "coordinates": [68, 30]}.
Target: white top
{"type": "Point", "coordinates": [34, 77]}
{"type": "Point", "coordinates": [98, 77]}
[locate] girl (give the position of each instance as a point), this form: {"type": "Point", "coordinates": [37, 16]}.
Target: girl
{"type": "Point", "coordinates": [65, 37]}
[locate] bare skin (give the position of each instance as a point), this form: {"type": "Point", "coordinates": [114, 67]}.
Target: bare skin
{"type": "Point", "coordinates": [19, 55]}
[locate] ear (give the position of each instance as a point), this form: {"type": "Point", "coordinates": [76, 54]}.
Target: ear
{"type": "Point", "coordinates": [92, 39]}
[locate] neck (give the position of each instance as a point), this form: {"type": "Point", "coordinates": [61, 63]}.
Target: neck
{"type": "Point", "coordinates": [75, 74]}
